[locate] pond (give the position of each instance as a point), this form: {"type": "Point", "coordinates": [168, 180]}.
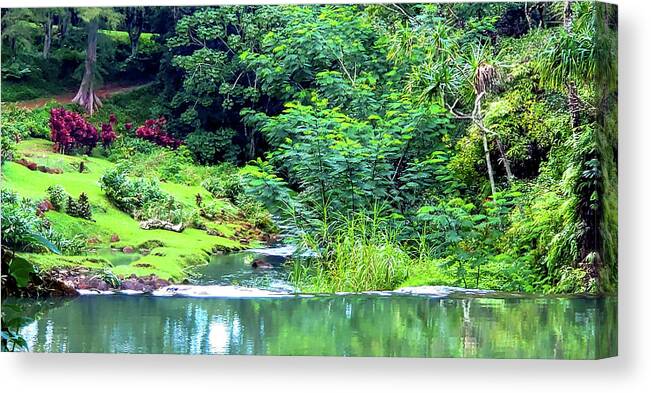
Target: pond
{"type": "Point", "coordinates": [342, 325]}
{"type": "Point", "coordinates": [231, 308]}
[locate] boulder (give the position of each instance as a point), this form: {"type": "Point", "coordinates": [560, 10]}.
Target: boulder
{"type": "Point", "coordinates": [155, 223]}
{"type": "Point", "coordinates": [43, 206]}
{"type": "Point", "coordinates": [62, 288]}
{"type": "Point", "coordinates": [260, 264]}
{"type": "Point", "coordinates": [115, 238]}
{"type": "Point", "coordinates": [26, 163]}
{"type": "Point", "coordinates": [128, 250]}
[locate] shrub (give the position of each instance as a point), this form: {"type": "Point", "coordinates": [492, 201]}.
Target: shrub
{"type": "Point", "coordinates": [19, 123]}
{"type": "Point", "coordinates": [69, 130]}
{"type": "Point", "coordinates": [128, 147]}
{"type": "Point", "coordinates": [23, 122]}
{"type": "Point", "coordinates": [108, 135]}
{"type": "Point", "coordinates": [7, 147]}
{"type": "Point", "coordinates": [130, 195]}
{"type": "Point", "coordinates": [177, 166]}
{"type": "Point", "coordinates": [23, 230]}
{"type": "Point", "coordinates": [210, 147]}
{"type": "Point", "coordinates": [154, 131]}
{"type": "Point", "coordinates": [257, 214]}
{"type": "Point", "coordinates": [19, 224]}
{"type": "Point", "coordinates": [57, 196]}
{"type": "Point", "coordinates": [169, 210]}
{"type": "Point", "coordinates": [79, 208]}
{"type": "Point", "coordinates": [227, 183]}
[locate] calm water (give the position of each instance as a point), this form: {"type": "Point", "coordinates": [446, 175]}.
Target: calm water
{"type": "Point", "coordinates": [355, 325]}
{"type": "Point", "coordinates": [235, 269]}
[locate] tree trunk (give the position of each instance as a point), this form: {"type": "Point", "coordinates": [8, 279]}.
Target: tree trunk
{"type": "Point", "coordinates": [527, 14]}
{"type": "Point", "coordinates": [573, 100]}
{"type": "Point", "coordinates": [86, 95]}
{"type": "Point", "coordinates": [477, 119]}
{"type": "Point", "coordinates": [489, 166]}
{"type": "Point", "coordinates": [135, 29]}
{"type": "Point", "coordinates": [63, 24]}
{"type": "Point", "coordinates": [541, 14]}
{"type": "Point", "coordinates": [47, 37]}
{"type": "Point", "coordinates": [567, 16]}
{"type": "Point", "coordinates": [573, 104]}
{"type": "Point", "coordinates": [134, 44]}
{"type": "Point", "coordinates": [505, 160]}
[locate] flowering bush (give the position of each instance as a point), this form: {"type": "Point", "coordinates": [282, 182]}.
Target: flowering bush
{"type": "Point", "coordinates": [69, 130]}
{"type": "Point", "coordinates": [153, 131]}
{"type": "Point", "coordinates": [108, 135]}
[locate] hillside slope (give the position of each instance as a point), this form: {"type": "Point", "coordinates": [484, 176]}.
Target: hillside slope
{"type": "Point", "coordinates": [164, 253]}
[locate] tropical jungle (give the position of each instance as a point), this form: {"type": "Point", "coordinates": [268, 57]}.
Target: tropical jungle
{"type": "Point", "coordinates": [353, 180]}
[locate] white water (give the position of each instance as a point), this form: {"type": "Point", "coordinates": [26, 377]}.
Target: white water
{"type": "Point", "coordinates": [217, 291]}
{"type": "Point", "coordinates": [235, 292]}
{"type": "Point", "coordinates": [285, 251]}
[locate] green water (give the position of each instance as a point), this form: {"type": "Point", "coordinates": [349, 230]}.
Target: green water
{"type": "Point", "coordinates": [355, 325]}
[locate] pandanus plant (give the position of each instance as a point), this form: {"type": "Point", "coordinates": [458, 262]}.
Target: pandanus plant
{"type": "Point", "coordinates": [571, 57]}
{"type": "Point", "coordinates": [484, 78]}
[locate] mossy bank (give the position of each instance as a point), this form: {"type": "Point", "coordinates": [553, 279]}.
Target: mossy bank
{"type": "Point", "coordinates": [163, 253]}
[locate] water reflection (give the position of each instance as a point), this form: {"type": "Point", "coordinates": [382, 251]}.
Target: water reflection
{"type": "Point", "coordinates": [331, 325]}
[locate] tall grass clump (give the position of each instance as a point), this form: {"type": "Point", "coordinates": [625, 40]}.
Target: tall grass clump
{"type": "Point", "coordinates": [353, 254]}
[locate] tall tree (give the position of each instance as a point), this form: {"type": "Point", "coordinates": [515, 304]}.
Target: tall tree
{"type": "Point", "coordinates": [46, 17]}
{"type": "Point", "coordinates": [135, 18]}
{"type": "Point", "coordinates": [86, 96]}
{"type": "Point", "coordinates": [568, 61]}
{"type": "Point", "coordinates": [17, 31]}
{"type": "Point", "coordinates": [64, 22]}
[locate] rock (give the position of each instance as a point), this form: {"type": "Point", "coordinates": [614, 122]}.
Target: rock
{"type": "Point", "coordinates": [97, 283]}
{"type": "Point", "coordinates": [132, 285]}
{"type": "Point", "coordinates": [143, 284]}
{"type": "Point", "coordinates": [160, 224]}
{"type": "Point", "coordinates": [115, 238]}
{"type": "Point", "coordinates": [26, 163]}
{"type": "Point", "coordinates": [128, 250]}
{"type": "Point", "coordinates": [45, 205]}
{"type": "Point", "coordinates": [260, 264]}
{"type": "Point", "coordinates": [56, 171]}
{"type": "Point", "coordinates": [60, 288]}
{"type": "Point", "coordinates": [93, 240]}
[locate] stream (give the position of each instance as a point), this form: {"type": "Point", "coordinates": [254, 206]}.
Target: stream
{"type": "Point", "coordinates": [231, 308]}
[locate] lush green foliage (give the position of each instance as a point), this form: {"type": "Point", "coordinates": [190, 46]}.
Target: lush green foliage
{"type": "Point", "coordinates": [357, 254]}
{"type": "Point", "coordinates": [130, 195]}
{"type": "Point", "coordinates": [57, 196]}
{"type": "Point", "coordinates": [485, 133]}
{"type": "Point", "coordinates": [24, 230]}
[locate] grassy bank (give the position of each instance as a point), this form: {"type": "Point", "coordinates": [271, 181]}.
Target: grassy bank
{"type": "Point", "coordinates": [167, 253]}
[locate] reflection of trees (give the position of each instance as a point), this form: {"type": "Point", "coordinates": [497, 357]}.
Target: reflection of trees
{"type": "Point", "coordinates": [337, 325]}
{"type": "Point", "coordinates": [468, 336]}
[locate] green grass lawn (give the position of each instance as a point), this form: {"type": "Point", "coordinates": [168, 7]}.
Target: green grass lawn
{"type": "Point", "coordinates": [170, 252]}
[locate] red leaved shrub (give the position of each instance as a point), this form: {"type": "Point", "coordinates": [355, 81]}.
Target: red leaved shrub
{"type": "Point", "coordinates": [69, 130]}
{"type": "Point", "coordinates": [153, 131]}
{"type": "Point", "coordinates": [108, 135]}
